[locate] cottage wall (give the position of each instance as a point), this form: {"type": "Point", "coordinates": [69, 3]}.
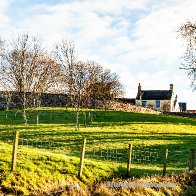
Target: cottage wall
{"type": "Point", "coordinates": [172, 107]}
{"type": "Point", "coordinates": [165, 105]}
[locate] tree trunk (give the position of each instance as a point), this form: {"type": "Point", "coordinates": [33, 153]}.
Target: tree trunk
{"type": "Point", "coordinates": [77, 118]}
{"type": "Point", "coordinates": [24, 109]}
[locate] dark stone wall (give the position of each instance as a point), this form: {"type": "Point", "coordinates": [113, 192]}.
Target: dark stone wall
{"type": "Point", "coordinates": [125, 100]}
{"type": "Point", "coordinates": [15, 100]}
{"type": "Point", "coordinates": [56, 100]}
{"type": "Point", "coordinates": [183, 114]}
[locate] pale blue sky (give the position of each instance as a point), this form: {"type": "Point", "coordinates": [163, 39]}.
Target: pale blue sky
{"type": "Point", "coordinates": [135, 38]}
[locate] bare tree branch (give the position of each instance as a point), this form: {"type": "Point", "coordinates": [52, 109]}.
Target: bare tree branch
{"type": "Point", "coordinates": [28, 69]}
{"type": "Point", "coordinates": [188, 33]}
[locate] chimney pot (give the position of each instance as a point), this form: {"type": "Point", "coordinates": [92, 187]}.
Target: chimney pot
{"type": "Point", "coordinates": [171, 87]}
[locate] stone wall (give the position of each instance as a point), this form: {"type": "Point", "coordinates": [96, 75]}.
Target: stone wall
{"type": "Point", "coordinates": [14, 100]}
{"type": "Point", "coordinates": [183, 114]}
{"type": "Point", "coordinates": [126, 100]}
{"type": "Point", "coordinates": [62, 100]}
{"type": "Point", "coordinates": [56, 100]}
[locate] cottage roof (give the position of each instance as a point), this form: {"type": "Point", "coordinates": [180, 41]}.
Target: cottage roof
{"type": "Point", "coordinates": [155, 95]}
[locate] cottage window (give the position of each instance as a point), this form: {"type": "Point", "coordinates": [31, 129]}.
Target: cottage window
{"type": "Point", "coordinates": [144, 103]}
{"type": "Point", "coordinates": [157, 104]}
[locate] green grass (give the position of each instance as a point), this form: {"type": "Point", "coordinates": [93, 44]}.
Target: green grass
{"type": "Point", "coordinates": [55, 161]}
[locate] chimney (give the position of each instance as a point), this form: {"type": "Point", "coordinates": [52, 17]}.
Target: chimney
{"type": "Point", "coordinates": [139, 88]}
{"type": "Point", "coordinates": [139, 92]}
{"type": "Point", "coordinates": [171, 87]}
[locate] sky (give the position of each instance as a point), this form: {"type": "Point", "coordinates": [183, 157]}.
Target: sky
{"type": "Point", "coordinates": [137, 39]}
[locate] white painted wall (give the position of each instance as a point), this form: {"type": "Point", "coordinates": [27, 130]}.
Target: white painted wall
{"type": "Point", "coordinates": [166, 105]}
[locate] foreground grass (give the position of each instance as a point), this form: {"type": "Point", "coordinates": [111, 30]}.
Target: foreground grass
{"type": "Point", "coordinates": [183, 185]}
{"type": "Point", "coordinates": [40, 172]}
{"type": "Point", "coordinates": [42, 169]}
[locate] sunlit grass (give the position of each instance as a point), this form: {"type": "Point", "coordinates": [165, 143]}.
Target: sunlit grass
{"type": "Point", "coordinates": [44, 169]}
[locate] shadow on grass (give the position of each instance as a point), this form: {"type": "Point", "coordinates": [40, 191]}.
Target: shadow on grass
{"type": "Point", "coordinates": [36, 133]}
{"type": "Point", "coordinates": [101, 118]}
{"type": "Point", "coordinates": [145, 160]}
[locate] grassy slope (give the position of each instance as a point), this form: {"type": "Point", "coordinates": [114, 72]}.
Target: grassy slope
{"type": "Point", "coordinates": [46, 169]}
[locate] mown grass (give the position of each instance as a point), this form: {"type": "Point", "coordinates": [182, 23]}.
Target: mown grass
{"type": "Point", "coordinates": [45, 169]}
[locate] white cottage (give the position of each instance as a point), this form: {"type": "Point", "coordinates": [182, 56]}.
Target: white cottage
{"type": "Point", "coordinates": [163, 100]}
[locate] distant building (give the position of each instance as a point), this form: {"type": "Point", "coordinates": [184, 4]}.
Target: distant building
{"type": "Point", "coordinates": [182, 106]}
{"type": "Point", "coordinates": [163, 100]}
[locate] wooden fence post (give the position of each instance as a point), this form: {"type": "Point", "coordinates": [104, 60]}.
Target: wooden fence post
{"type": "Point", "coordinates": [14, 152]}
{"type": "Point", "coordinates": [165, 162]}
{"type": "Point", "coordinates": [82, 158]}
{"type": "Point", "coordinates": [129, 159]}
{"type": "Point", "coordinates": [192, 159]}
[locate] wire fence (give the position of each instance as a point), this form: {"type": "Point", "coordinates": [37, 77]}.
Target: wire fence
{"type": "Point", "coordinates": [145, 155]}
{"type": "Point", "coordinates": [67, 147]}
{"type": "Point", "coordinates": [56, 155]}
{"type": "Point", "coordinates": [179, 159]}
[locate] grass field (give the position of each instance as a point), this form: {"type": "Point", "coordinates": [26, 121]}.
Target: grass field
{"type": "Point", "coordinates": [55, 160]}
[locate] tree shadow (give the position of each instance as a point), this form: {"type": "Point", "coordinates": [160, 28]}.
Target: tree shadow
{"type": "Point", "coordinates": [145, 160]}
{"type": "Point", "coordinates": [100, 118]}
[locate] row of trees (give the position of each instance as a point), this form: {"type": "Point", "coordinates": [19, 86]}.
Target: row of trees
{"type": "Point", "coordinates": [27, 68]}
{"type": "Point", "coordinates": [86, 80]}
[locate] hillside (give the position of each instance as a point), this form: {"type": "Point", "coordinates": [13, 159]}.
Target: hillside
{"type": "Point", "coordinates": [48, 156]}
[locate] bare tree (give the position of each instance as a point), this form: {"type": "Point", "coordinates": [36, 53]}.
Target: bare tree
{"type": "Point", "coordinates": [106, 87]}
{"type": "Point", "coordinates": [79, 79]}
{"type": "Point", "coordinates": [6, 94]}
{"type": "Point", "coordinates": [1, 55]}
{"type": "Point", "coordinates": [28, 70]}
{"type": "Point", "coordinates": [188, 32]}
{"type": "Point", "coordinates": [85, 81]}
{"type": "Point", "coordinates": [65, 55]}
{"type": "Point", "coordinates": [94, 71]}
